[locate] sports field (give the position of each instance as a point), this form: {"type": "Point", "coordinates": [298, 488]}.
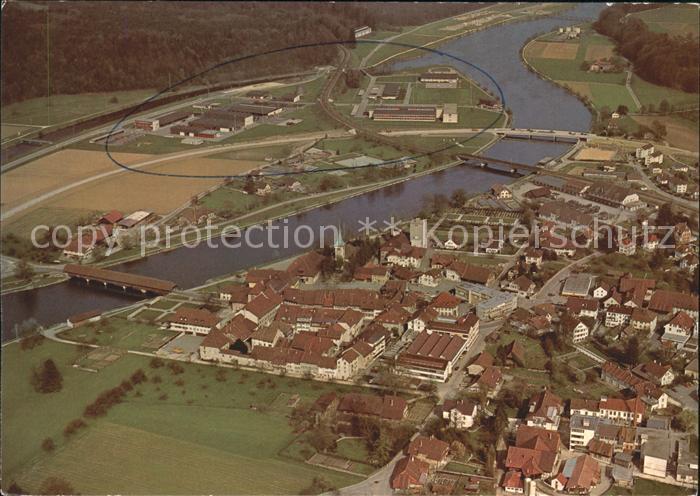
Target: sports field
{"type": "Point", "coordinates": [595, 154]}
{"type": "Point", "coordinates": [186, 433]}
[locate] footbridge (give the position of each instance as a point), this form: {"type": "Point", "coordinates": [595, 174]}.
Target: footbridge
{"type": "Point", "coordinates": [119, 280]}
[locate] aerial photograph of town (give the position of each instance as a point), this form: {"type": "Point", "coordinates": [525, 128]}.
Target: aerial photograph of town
{"type": "Point", "coordinates": [349, 248]}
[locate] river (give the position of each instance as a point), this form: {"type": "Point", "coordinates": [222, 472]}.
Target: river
{"type": "Point", "coordinates": [535, 104]}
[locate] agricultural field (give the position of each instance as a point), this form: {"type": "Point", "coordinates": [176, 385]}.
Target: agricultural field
{"type": "Point", "coordinates": [231, 438]}
{"type": "Point", "coordinates": [677, 20]}
{"type": "Point", "coordinates": [562, 61]}
{"type": "Point", "coordinates": [682, 133]}
{"type": "Point", "coordinates": [61, 109]}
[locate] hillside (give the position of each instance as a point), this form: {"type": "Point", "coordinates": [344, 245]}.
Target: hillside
{"type": "Point", "coordinates": [117, 46]}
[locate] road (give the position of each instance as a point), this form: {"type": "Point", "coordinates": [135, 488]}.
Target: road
{"type": "Point", "coordinates": [550, 290]}
{"type": "Point", "coordinates": [654, 187]}
{"type": "Point", "coordinates": [158, 110]}
{"type": "Point", "coordinates": [503, 131]}
{"type": "Point", "coordinates": [166, 158]}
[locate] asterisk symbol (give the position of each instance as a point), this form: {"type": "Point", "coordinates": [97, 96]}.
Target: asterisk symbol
{"type": "Point", "coordinates": [367, 226]}
{"type": "Point", "coordinates": [392, 225]}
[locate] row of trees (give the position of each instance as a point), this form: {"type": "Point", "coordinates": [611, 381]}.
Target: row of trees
{"type": "Point", "coordinates": [672, 61]}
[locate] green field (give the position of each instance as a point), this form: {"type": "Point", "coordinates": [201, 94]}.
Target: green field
{"type": "Point", "coordinates": [258, 153]}
{"type": "Point", "coordinates": [468, 117]}
{"type": "Point", "coordinates": [188, 433]}
{"type": "Point", "coordinates": [673, 19]}
{"type": "Point", "coordinates": [649, 93]}
{"type": "Point", "coordinates": [150, 144]}
{"type": "Point", "coordinates": [313, 119]}
{"type": "Point", "coordinates": [65, 108]}
{"type": "Point", "coordinates": [10, 131]}
{"type": "Point", "coordinates": [352, 449]}
{"type": "Point", "coordinates": [468, 94]}
{"type": "Point", "coordinates": [648, 488]}
{"type": "Point", "coordinates": [361, 49]}
{"type": "Point", "coordinates": [603, 89]}
{"type": "Point", "coordinates": [22, 225]}
{"type": "Point", "coordinates": [534, 355]}
{"type": "Point", "coordinates": [119, 332]}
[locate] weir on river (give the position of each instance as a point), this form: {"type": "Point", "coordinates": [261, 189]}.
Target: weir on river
{"type": "Point", "coordinates": [536, 104]}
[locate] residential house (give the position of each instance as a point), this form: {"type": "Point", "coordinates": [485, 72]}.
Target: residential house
{"type": "Point", "coordinates": [484, 360]}
{"type": "Point", "coordinates": [578, 475]}
{"type": "Point", "coordinates": [192, 321]}
{"type": "Point", "coordinates": [679, 329]}
{"type": "Point", "coordinates": [431, 450]}
{"type": "Point", "coordinates": [460, 413]}
{"type": "Point", "coordinates": [533, 256]}
{"type": "Point", "coordinates": [501, 192]}
{"type": "Point", "coordinates": [409, 474]}
{"type": "Point", "coordinates": [575, 328]}
{"type": "Point", "coordinates": [618, 315]}
{"type": "Point", "coordinates": [582, 307]}
{"type": "Point", "coordinates": [307, 268]}
{"type": "Point", "coordinates": [513, 482]}
{"type": "Point", "coordinates": [544, 410]}
{"type": "Point", "coordinates": [522, 285]}
{"type": "Point", "coordinates": [654, 372]}
{"type": "Point", "coordinates": [643, 320]}
{"type": "Point", "coordinates": [490, 380]}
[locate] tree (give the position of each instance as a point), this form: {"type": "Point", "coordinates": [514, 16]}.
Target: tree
{"type": "Point", "coordinates": [622, 109]}
{"type": "Point", "coordinates": [56, 486]}
{"type": "Point", "coordinates": [664, 106]}
{"type": "Point", "coordinates": [47, 378]}
{"type": "Point", "coordinates": [382, 449]}
{"type": "Point", "coordinates": [658, 129]}
{"type": "Point", "coordinates": [48, 444]}
{"type": "Point", "coordinates": [458, 449]}
{"type": "Point", "coordinates": [458, 198]}
{"type": "Point", "coordinates": [490, 461]}
{"type": "Point", "coordinates": [24, 270]}
{"type": "Point", "coordinates": [249, 186]}
{"type": "Point", "coordinates": [15, 489]}
{"type": "Point", "coordinates": [322, 438]}
{"type": "Point", "coordinates": [632, 351]}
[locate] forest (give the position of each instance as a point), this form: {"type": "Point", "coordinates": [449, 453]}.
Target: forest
{"type": "Point", "coordinates": [671, 61]}
{"type": "Point", "coordinates": [78, 47]}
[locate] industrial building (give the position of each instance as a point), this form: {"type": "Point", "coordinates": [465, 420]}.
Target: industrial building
{"type": "Point", "coordinates": [404, 113]}
{"type": "Point", "coordinates": [253, 109]}
{"type": "Point", "coordinates": [439, 79]}
{"type": "Point", "coordinates": [362, 31]}
{"type": "Point", "coordinates": [431, 356]}
{"type": "Point", "coordinates": [156, 123]}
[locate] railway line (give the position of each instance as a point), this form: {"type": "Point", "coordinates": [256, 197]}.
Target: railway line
{"type": "Point", "coordinates": [334, 114]}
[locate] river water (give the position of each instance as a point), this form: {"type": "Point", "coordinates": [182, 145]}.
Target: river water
{"type": "Point", "coordinates": [535, 104]}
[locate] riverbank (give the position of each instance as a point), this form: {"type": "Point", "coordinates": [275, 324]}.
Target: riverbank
{"type": "Point", "coordinates": [250, 219]}
{"type": "Point", "coordinates": [403, 57]}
